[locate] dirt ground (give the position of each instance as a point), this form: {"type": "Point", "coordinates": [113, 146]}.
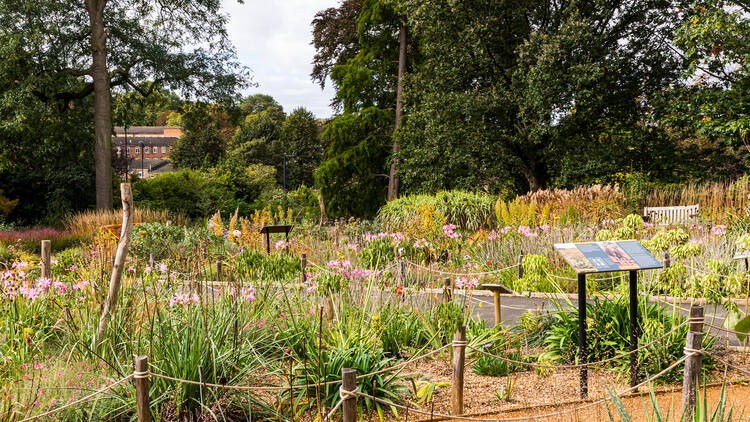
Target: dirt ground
{"type": "Point", "coordinates": [534, 395]}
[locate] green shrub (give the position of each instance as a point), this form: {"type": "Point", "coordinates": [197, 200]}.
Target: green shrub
{"type": "Point", "coordinates": [156, 238]}
{"type": "Point", "coordinates": [608, 335]}
{"type": "Point", "coordinates": [280, 266]}
{"type": "Point", "coordinates": [467, 210]}
{"type": "Point", "coordinates": [489, 366]}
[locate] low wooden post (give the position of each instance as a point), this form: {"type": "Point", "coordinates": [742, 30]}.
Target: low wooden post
{"type": "Point", "coordinates": [349, 405]}
{"type": "Point", "coordinates": [667, 260]}
{"type": "Point", "coordinates": [219, 265]}
{"type": "Point", "coordinates": [142, 400]}
{"type": "Point", "coordinates": [693, 362]}
{"type": "Point", "coordinates": [303, 261]}
{"type": "Point", "coordinates": [520, 266]}
{"type": "Point", "coordinates": [151, 260]}
{"type": "Point", "coordinates": [447, 291]}
{"type": "Point", "coordinates": [403, 270]}
{"type": "Point", "coordinates": [496, 296]}
{"type": "Point", "coordinates": [459, 358]}
{"type": "Point", "coordinates": [46, 260]}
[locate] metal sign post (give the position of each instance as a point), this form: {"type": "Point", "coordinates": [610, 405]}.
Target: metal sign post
{"type": "Point", "coordinates": [603, 257]}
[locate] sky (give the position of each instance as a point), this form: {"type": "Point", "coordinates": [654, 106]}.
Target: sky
{"type": "Point", "coordinates": [272, 38]}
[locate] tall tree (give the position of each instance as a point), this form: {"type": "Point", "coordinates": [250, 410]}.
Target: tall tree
{"type": "Point", "coordinates": [713, 100]}
{"type": "Point", "coordinates": [502, 85]}
{"type": "Point", "coordinates": [104, 44]}
{"type": "Point", "coordinates": [207, 132]}
{"type": "Point", "coordinates": [300, 136]}
{"type": "Point", "coordinates": [360, 138]}
{"type": "Point", "coordinates": [392, 175]}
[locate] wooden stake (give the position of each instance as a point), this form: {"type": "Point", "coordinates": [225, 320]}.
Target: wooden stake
{"type": "Point", "coordinates": [46, 260]}
{"type": "Point", "coordinates": [459, 358]}
{"type": "Point", "coordinates": [447, 291]}
{"type": "Point", "coordinates": [693, 363]}
{"type": "Point", "coordinates": [142, 400]}
{"type": "Point", "coordinates": [349, 383]}
{"type": "Point", "coordinates": [520, 266]}
{"type": "Point", "coordinates": [303, 261]}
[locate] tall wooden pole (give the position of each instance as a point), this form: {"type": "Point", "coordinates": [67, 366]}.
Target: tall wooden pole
{"type": "Point", "coordinates": [392, 177]}
{"type": "Point", "coordinates": [126, 195]}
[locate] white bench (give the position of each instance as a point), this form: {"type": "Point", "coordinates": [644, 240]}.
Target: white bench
{"type": "Point", "coordinates": [670, 215]}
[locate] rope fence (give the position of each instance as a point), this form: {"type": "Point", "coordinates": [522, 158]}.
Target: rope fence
{"type": "Point", "coordinates": [348, 391]}
{"type": "Point", "coordinates": [79, 401]}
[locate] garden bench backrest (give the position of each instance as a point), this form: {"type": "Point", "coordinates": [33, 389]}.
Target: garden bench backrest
{"type": "Point", "coordinates": [671, 215]}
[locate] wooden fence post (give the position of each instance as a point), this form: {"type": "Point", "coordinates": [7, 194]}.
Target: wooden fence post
{"type": "Point", "coordinates": [141, 389]}
{"type": "Point", "coordinates": [693, 362]}
{"type": "Point", "coordinates": [459, 358]}
{"type": "Point", "coordinates": [349, 405]}
{"type": "Point", "coordinates": [46, 260]}
{"type": "Point", "coordinates": [520, 266]}
{"type": "Point", "coordinates": [447, 291]}
{"type": "Point", "coordinates": [219, 265]}
{"type": "Point", "coordinates": [151, 260]}
{"type": "Point", "coordinates": [667, 260]}
{"type": "Point", "coordinates": [303, 261]}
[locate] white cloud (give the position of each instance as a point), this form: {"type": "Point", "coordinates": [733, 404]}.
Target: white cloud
{"type": "Point", "coordinates": [273, 39]}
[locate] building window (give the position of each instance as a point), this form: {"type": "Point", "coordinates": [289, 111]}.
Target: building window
{"type": "Point", "coordinates": [145, 150]}
{"type": "Point", "coordinates": [163, 150]}
{"type": "Point", "coordinates": [137, 150]}
{"type": "Point", "coordinates": [118, 151]}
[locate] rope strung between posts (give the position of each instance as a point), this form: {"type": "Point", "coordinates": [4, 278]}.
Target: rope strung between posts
{"type": "Point", "coordinates": [283, 388]}
{"type": "Point", "coordinates": [79, 401]}
{"type": "Point", "coordinates": [524, 418]}
{"type": "Point", "coordinates": [458, 273]}
{"type": "Point", "coordinates": [727, 364]}
{"type": "Point", "coordinates": [716, 327]}
{"type": "Point", "coordinates": [243, 387]}
{"type": "Point", "coordinates": [407, 362]}
{"type": "Point", "coordinates": [587, 364]}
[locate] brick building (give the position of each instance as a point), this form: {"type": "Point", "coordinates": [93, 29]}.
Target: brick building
{"type": "Point", "coordinates": [146, 147]}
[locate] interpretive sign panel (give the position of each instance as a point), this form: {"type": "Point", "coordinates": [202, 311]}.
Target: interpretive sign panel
{"type": "Point", "coordinates": [608, 256]}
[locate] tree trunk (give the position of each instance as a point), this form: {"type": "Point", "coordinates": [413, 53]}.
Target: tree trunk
{"type": "Point", "coordinates": [126, 194]}
{"type": "Point", "coordinates": [102, 106]}
{"type": "Point", "coordinates": [392, 177]}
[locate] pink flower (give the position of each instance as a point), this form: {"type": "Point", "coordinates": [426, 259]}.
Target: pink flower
{"type": "Point", "coordinates": [131, 269]}
{"type": "Point", "coordinates": [163, 268]}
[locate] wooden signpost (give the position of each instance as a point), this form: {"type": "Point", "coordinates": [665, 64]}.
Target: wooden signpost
{"type": "Point", "coordinates": [267, 230]}
{"type": "Point", "coordinates": [603, 257]}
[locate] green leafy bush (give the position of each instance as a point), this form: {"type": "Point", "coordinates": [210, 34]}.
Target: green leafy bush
{"type": "Point", "coordinates": [156, 238]}
{"type": "Point", "coordinates": [467, 210]}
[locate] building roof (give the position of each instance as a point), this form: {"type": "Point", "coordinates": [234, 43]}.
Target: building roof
{"type": "Point", "coordinates": [145, 129]}
{"type": "Point", "coordinates": [147, 140]}
{"type": "Point", "coordinates": [153, 165]}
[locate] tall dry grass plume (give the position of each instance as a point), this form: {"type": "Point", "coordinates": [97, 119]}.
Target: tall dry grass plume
{"type": "Point", "coordinates": [717, 200]}
{"type": "Point", "coordinates": [87, 223]}
{"type": "Point", "coordinates": [584, 203]}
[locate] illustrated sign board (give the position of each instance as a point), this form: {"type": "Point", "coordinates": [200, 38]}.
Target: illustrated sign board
{"type": "Point", "coordinates": [608, 256]}
{"type": "Point", "coordinates": [742, 254]}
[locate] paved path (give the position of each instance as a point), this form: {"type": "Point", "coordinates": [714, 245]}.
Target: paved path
{"type": "Point", "coordinates": [513, 307]}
